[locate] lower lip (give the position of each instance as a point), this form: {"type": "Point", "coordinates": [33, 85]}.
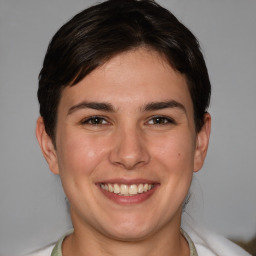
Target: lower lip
{"type": "Point", "coordinates": [125, 200]}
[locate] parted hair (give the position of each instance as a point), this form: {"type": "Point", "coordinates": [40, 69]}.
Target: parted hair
{"type": "Point", "coordinates": [100, 32]}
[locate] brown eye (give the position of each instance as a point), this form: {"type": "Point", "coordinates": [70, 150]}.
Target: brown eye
{"type": "Point", "coordinates": [160, 120]}
{"type": "Point", "coordinates": [95, 120]}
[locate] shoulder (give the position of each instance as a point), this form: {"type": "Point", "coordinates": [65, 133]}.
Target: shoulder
{"type": "Point", "coordinates": [54, 249]}
{"type": "Point", "coordinates": [209, 243]}
{"type": "Point", "coordinates": [43, 252]}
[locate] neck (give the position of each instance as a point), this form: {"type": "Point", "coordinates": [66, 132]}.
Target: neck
{"type": "Point", "coordinates": [86, 242]}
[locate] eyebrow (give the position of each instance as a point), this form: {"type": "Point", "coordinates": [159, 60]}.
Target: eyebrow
{"type": "Point", "coordinates": [102, 106]}
{"type": "Point", "coordinates": [164, 104]}
{"type": "Point", "coordinates": [92, 105]}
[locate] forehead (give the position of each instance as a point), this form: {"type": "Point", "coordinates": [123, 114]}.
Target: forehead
{"type": "Point", "coordinates": [138, 76]}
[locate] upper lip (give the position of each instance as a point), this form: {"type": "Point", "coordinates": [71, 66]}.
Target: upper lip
{"type": "Point", "coordinates": [127, 181]}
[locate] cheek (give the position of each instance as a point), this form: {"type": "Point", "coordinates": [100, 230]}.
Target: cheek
{"type": "Point", "coordinates": [79, 154]}
{"type": "Point", "coordinates": [176, 150]}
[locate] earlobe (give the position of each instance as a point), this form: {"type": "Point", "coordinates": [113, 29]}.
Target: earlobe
{"type": "Point", "coordinates": [202, 143]}
{"type": "Point", "coordinates": [47, 146]}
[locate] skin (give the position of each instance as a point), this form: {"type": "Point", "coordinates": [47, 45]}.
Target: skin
{"type": "Point", "coordinates": [128, 141]}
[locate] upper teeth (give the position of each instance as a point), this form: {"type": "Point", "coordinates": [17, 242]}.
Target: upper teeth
{"type": "Point", "coordinates": [127, 190]}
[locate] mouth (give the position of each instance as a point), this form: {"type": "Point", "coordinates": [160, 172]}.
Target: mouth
{"type": "Point", "coordinates": [127, 190]}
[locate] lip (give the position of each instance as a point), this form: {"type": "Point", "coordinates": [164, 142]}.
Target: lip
{"type": "Point", "coordinates": [127, 181]}
{"type": "Point", "coordinates": [128, 200]}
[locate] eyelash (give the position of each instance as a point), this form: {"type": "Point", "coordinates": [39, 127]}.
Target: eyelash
{"type": "Point", "coordinates": [95, 120]}
{"type": "Point", "coordinates": [162, 120]}
{"type": "Point", "coordinates": [157, 120]}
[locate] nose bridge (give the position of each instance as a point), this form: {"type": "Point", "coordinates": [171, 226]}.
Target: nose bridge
{"type": "Point", "coordinates": [129, 148]}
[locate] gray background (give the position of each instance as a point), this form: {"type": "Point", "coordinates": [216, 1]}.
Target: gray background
{"type": "Point", "coordinates": [33, 211]}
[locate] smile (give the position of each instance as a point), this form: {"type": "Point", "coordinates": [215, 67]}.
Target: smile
{"type": "Point", "coordinates": [126, 190]}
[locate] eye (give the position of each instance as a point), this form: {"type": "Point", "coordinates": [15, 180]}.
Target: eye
{"type": "Point", "coordinates": [95, 120]}
{"type": "Point", "coordinates": [161, 120]}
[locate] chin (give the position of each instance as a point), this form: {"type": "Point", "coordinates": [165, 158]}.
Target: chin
{"type": "Point", "coordinates": [129, 235]}
{"type": "Point", "coordinates": [130, 230]}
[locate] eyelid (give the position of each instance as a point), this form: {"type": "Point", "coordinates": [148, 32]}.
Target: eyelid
{"type": "Point", "coordinates": [89, 118]}
{"type": "Point", "coordinates": [169, 119]}
{"type": "Point", "coordinates": [86, 120]}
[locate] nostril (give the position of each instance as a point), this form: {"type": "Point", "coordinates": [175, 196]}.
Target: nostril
{"type": "Point", "coordinates": [128, 165]}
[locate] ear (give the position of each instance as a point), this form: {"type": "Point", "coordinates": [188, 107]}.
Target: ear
{"type": "Point", "coordinates": [47, 146]}
{"type": "Point", "coordinates": [202, 143]}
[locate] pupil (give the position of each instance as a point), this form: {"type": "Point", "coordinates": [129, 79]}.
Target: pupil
{"type": "Point", "coordinates": [158, 120]}
{"type": "Point", "coordinates": [96, 120]}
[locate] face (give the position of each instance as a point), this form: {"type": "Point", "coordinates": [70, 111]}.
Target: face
{"type": "Point", "coordinates": [126, 146]}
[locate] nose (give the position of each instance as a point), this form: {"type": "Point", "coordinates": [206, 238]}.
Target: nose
{"type": "Point", "coordinates": [129, 149]}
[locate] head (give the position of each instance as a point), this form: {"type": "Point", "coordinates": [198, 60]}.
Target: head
{"type": "Point", "coordinates": [101, 32]}
{"type": "Point", "coordinates": [123, 94]}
